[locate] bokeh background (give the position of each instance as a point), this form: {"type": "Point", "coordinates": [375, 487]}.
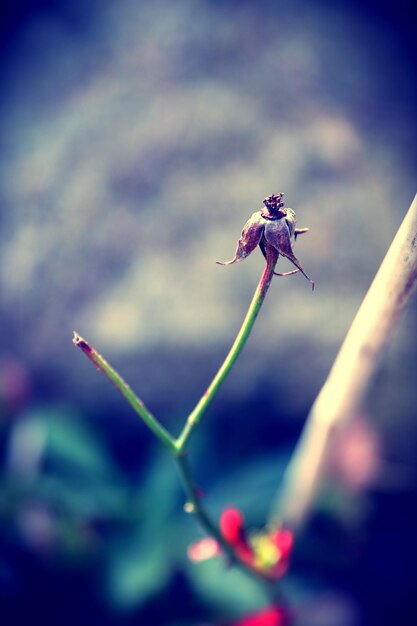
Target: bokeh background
{"type": "Point", "coordinates": [136, 139]}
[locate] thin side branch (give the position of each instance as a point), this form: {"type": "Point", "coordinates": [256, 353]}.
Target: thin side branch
{"type": "Point", "coordinates": [194, 504]}
{"type": "Point", "coordinates": [344, 391]}
{"type": "Point", "coordinates": [135, 402]}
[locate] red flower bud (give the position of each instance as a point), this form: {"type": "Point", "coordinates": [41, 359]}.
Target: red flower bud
{"type": "Point", "coordinates": [232, 529]}
{"type": "Point", "coordinates": [271, 616]}
{"type": "Point", "coordinates": [272, 228]}
{"type": "Point", "coordinates": [231, 525]}
{"type": "Point", "coordinates": [284, 540]}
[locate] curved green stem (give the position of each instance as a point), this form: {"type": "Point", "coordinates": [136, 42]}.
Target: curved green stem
{"type": "Point", "coordinates": [242, 336]}
{"type": "Point", "coordinates": [194, 504]}
{"type": "Point", "coordinates": [135, 402]}
{"type": "Point", "coordinates": [195, 507]}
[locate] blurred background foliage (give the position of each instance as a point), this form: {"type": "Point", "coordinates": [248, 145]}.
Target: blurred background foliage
{"type": "Point", "coordinates": [137, 138]}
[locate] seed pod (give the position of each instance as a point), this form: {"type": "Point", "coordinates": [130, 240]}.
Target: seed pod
{"type": "Point", "coordinates": [272, 228]}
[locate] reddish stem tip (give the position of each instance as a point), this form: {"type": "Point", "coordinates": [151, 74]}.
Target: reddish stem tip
{"type": "Point", "coordinates": [78, 341]}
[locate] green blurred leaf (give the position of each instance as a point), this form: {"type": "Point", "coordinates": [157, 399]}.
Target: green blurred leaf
{"type": "Point", "coordinates": [70, 443]}
{"type": "Point", "coordinates": [233, 590]}
{"type": "Point", "coordinates": [109, 500]}
{"type": "Point", "coordinates": [140, 560]}
{"type": "Point", "coordinates": [63, 442]}
{"type": "Point", "coordinates": [138, 570]}
{"type": "Point", "coordinates": [55, 455]}
{"type": "Point", "coordinates": [160, 489]}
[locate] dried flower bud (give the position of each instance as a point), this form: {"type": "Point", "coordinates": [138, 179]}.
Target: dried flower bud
{"type": "Point", "coordinates": [272, 228]}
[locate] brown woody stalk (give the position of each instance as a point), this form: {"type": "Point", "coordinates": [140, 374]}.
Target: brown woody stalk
{"type": "Point", "coordinates": [349, 380]}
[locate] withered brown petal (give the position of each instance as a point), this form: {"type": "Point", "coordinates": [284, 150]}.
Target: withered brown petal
{"type": "Point", "coordinates": [277, 234]}
{"type": "Point", "coordinates": [249, 239]}
{"type": "Point", "coordinates": [300, 231]}
{"type": "Point", "coordinates": [287, 273]}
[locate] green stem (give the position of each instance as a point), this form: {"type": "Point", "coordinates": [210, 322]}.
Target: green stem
{"type": "Point", "coordinates": [195, 507]}
{"type": "Point", "coordinates": [244, 332]}
{"type": "Point", "coordinates": [194, 504]}
{"type": "Point", "coordinates": [135, 402]}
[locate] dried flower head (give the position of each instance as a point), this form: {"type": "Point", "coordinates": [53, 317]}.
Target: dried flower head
{"type": "Point", "coordinates": [272, 228]}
